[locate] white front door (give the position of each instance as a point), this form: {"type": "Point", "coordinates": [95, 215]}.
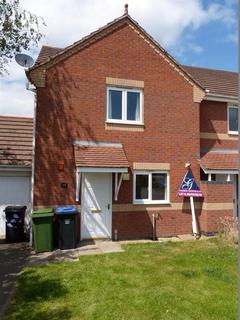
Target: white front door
{"type": "Point", "coordinates": [96, 205]}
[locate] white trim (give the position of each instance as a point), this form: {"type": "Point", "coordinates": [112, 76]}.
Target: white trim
{"type": "Point", "coordinates": [149, 201]}
{"type": "Point", "coordinates": [209, 171]}
{"type": "Point", "coordinates": [15, 174]}
{"type": "Point", "coordinates": [99, 169]}
{"type": "Point", "coordinates": [229, 131]}
{"type": "Point", "coordinates": [14, 168]}
{"type": "Point", "coordinates": [33, 167]}
{"type": "Point", "coordinates": [97, 143]}
{"type": "Point", "coordinates": [124, 106]}
{"type": "Point", "coordinates": [78, 184]}
{"type": "Point", "coordinates": [220, 98]}
{"type": "Point", "coordinates": [194, 223]}
{"type": "Point", "coordinates": [117, 184]}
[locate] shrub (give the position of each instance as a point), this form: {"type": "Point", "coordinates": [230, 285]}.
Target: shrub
{"type": "Point", "coordinates": [229, 229]}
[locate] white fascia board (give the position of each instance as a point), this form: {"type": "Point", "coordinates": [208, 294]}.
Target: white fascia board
{"type": "Point", "coordinates": [99, 169]}
{"type": "Point", "coordinates": [221, 98]}
{"type": "Point", "coordinates": [97, 143]}
{"type": "Point", "coordinates": [15, 168]}
{"type": "Point", "coordinates": [209, 171]}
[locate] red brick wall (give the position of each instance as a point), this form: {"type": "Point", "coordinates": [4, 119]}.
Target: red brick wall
{"type": "Point", "coordinates": [214, 219]}
{"type": "Point", "coordinates": [72, 107]}
{"type": "Point", "coordinates": [215, 192]}
{"type": "Point", "coordinates": [219, 144]}
{"type": "Point", "coordinates": [211, 220]}
{"type": "Point", "coordinates": [213, 117]}
{"type": "Point", "coordinates": [134, 225]}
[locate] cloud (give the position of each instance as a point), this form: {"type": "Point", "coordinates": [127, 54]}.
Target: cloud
{"type": "Point", "coordinates": [16, 100]}
{"type": "Point", "coordinates": [68, 21]}
{"type": "Point", "coordinates": [168, 21]}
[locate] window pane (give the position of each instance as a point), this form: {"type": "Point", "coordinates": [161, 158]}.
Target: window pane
{"type": "Point", "coordinates": [115, 105]}
{"type": "Point", "coordinates": [233, 119]}
{"type": "Point", "coordinates": [133, 106]}
{"type": "Point", "coordinates": [141, 186]}
{"type": "Point", "coordinates": [159, 186]}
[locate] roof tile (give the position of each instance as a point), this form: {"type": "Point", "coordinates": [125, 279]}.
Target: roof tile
{"type": "Point", "coordinates": [16, 134]}
{"type": "Point", "coordinates": [100, 156]}
{"type": "Point", "coordinates": [216, 81]}
{"type": "Point", "coordinates": [219, 161]}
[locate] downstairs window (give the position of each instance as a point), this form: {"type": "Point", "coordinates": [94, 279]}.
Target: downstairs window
{"type": "Point", "coordinates": [151, 187]}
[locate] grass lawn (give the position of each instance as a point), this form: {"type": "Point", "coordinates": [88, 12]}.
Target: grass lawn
{"type": "Point", "coordinates": [181, 280]}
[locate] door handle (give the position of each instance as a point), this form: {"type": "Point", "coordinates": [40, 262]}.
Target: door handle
{"type": "Point", "coordinates": [108, 206]}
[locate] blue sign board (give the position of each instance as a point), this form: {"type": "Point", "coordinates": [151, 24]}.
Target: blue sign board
{"type": "Point", "coordinates": [189, 187]}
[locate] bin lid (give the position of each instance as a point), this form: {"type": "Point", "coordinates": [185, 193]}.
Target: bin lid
{"type": "Point", "coordinates": [66, 210]}
{"type": "Point", "coordinates": [42, 213]}
{"type": "Point", "coordinates": [14, 209]}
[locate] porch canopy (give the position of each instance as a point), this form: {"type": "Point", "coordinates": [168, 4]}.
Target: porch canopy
{"type": "Point", "coordinates": [224, 162]}
{"type": "Point", "coordinates": [91, 156]}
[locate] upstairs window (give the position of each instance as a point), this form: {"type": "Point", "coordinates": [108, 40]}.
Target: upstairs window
{"type": "Point", "coordinates": [124, 105]}
{"type": "Point", "coordinates": [232, 120]}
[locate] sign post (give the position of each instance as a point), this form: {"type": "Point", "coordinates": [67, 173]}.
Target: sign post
{"type": "Point", "coordinates": [189, 188]}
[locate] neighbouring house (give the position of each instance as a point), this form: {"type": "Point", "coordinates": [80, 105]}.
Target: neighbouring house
{"type": "Point", "coordinates": [16, 136]}
{"type": "Point", "coordinates": [117, 119]}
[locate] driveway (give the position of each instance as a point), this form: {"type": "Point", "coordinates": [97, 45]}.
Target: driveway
{"type": "Point", "coordinates": [13, 257]}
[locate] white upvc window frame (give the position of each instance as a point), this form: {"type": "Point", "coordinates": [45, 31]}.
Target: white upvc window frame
{"type": "Point", "coordinates": [230, 131]}
{"type": "Point", "coordinates": [149, 200]}
{"type": "Point", "coordinates": [124, 106]}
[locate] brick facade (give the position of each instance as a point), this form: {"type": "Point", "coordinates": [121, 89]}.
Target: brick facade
{"type": "Point", "coordinates": [72, 106]}
{"type": "Point", "coordinates": [214, 119]}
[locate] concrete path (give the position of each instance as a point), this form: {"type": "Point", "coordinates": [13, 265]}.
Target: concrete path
{"type": "Point", "coordinates": [13, 257]}
{"type": "Point", "coordinates": [93, 247]}
{"type": "Point", "coordinates": [84, 248]}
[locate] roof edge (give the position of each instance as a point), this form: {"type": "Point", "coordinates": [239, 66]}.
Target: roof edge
{"type": "Point", "coordinates": [220, 98]}
{"type": "Point", "coordinates": [209, 69]}
{"type": "Point", "coordinates": [124, 18]}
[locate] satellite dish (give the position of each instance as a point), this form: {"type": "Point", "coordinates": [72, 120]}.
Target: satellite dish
{"type": "Point", "coordinates": [24, 60]}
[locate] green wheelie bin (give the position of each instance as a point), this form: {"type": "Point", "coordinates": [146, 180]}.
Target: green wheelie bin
{"type": "Point", "coordinates": [43, 230]}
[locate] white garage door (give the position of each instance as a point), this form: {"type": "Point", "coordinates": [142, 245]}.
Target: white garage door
{"type": "Point", "coordinates": [14, 190]}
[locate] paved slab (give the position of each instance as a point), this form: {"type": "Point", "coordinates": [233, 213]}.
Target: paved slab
{"type": "Point", "coordinates": [149, 240]}
{"type": "Point", "coordinates": [84, 248]}
{"type": "Point", "coordinates": [13, 257]}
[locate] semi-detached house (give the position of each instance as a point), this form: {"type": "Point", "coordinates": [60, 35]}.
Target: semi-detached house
{"type": "Point", "coordinates": [117, 119]}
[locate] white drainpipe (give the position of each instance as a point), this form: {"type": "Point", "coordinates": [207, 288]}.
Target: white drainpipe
{"type": "Point", "coordinates": [33, 166]}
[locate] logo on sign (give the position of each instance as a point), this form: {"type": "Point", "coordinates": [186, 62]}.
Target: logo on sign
{"type": "Point", "coordinates": [189, 187]}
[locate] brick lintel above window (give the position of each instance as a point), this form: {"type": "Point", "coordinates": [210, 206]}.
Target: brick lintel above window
{"type": "Point", "coordinates": [125, 83]}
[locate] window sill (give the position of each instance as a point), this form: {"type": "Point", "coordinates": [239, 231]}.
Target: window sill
{"type": "Point", "coordinates": [123, 126]}
{"type": "Point", "coordinates": [132, 123]}
{"type": "Point", "coordinates": [151, 202]}
{"type": "Point", "coordinates": [232, 133]}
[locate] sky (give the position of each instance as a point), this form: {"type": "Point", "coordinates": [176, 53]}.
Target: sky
{"type": "Point", "coordinates": [195, 32]}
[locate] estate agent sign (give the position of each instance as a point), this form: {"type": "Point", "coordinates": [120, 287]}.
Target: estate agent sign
{"type": "Point", "coordinates": [189, 188]}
